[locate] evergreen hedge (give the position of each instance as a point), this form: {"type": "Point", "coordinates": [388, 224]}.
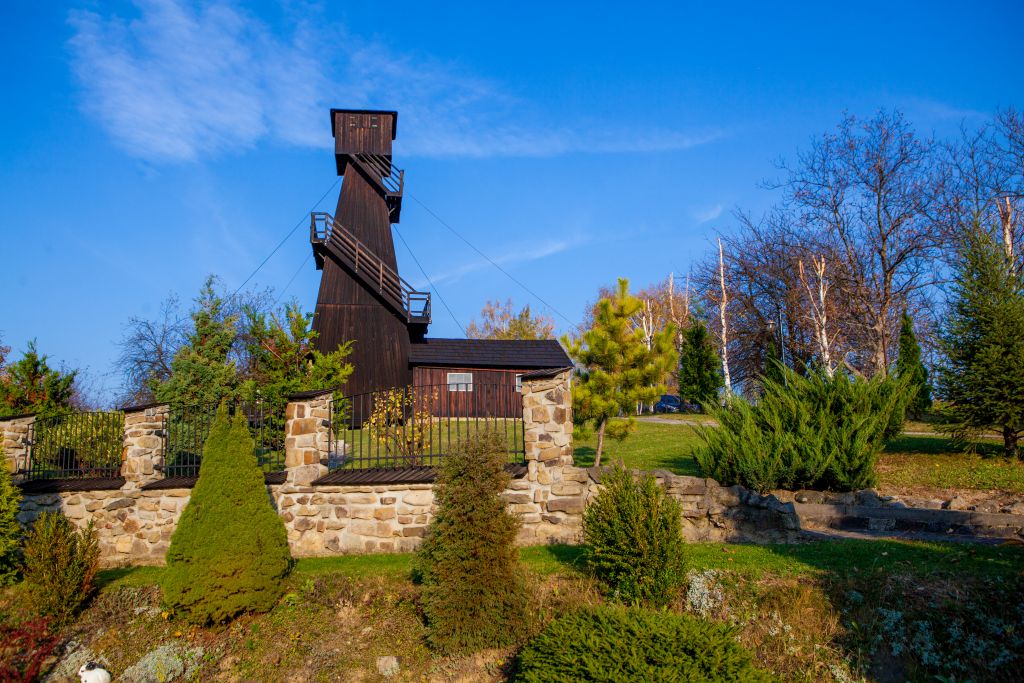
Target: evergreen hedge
{"type": "Point", "coordinates": [61, 562]}
{"type": "Point", "coordinates": [10, 530]}
{"type": "Point", "coordinates": [807, 431]}
{"type": "Point", "coordinates": [615, 644]}
{"type": "Point", "coordinates": [229, 553]}
{"type": "Point", "coordinates": [474, 592]}
{"type": "Point", "coordinates": [634, 537]}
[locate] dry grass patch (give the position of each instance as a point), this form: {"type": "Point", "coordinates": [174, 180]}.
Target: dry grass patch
{"type": "Point", "coordinates": [927, 464]}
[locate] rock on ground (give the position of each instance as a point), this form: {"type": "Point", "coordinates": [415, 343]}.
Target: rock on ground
{"type": "Point", "coordinates": [169, 662]}
{"type": "Point", "coordinates": [387, 666]}
{"type": "Point", "coordinates": [66, 670]}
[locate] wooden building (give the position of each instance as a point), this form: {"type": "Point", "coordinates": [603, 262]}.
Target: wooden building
{"type": "Point", "coordinates": [363, 299]}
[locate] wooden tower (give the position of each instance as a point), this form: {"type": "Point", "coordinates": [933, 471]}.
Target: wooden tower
{"type": "Point", "coordinates": [362, 298]}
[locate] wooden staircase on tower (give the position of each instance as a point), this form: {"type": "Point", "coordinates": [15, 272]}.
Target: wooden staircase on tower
{"type": "Point", "coordinates": [329, 237]}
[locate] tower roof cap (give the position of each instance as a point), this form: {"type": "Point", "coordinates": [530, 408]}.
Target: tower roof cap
{"type": "Point", "coordinates": [392, 113]}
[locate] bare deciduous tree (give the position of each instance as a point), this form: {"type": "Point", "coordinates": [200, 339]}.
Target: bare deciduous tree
{"type": "Point", "coordinates": [499, 321]}
{"type": "Point", "coordinates": [723, 305]}
{"type": "Point", "coordinates": [817, 287]}
{"type": "Point", "coordinates": [147, 349]}
{"type": "Point", "coordinates": [866, 193]}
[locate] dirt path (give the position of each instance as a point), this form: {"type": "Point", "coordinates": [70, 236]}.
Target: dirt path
{"type": "Point", "coordinates": [670, 421]}
{"type": "Point", "coordinates": [712, 423]}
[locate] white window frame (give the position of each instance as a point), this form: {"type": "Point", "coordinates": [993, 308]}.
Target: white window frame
{"type": "Point", "coordinates": [519, 384]}
{"type": "Point", "coordinates": [460, 383]}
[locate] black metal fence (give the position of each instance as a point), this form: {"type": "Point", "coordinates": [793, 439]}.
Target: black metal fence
{"type": "Point", "coordinates": [188, 427]}
{"type": "Point", "coordinates": [76, 446]}
{"type": "Point", "coordinates": [417, 426]}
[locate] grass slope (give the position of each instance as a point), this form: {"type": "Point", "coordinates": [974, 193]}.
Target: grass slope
{"type": "Point", "coordinates": [810, 612]}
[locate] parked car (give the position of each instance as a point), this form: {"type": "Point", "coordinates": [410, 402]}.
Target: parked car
{"type": "Point", "coordinates": [692, 408]}
{"type": "Point", "coordinates": [668, 404]}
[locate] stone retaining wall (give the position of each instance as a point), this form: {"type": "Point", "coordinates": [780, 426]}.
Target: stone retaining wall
{"type": "Point", "coordinates": [134, 524]}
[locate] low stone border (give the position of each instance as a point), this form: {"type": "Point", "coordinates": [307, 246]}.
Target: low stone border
{"type": "Point", "coordinates": [904, 519]}
{"type": "Point", "coordinates": [972, 501]}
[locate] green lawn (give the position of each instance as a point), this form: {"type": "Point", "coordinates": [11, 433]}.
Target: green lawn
{"type": "Point", "coordinates": [908, 462]}
{"type": "Point", "coordinates": [683, 417]}
{"type": "Point", "coordinates": [652, 446]}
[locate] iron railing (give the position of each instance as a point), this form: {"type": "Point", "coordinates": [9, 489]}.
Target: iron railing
{"type": "Point", "coordinates": [418, 426]}
{"type": "Point", "coordinates": [76, 446]}
{"type": "Point", "coordinates": [390, 177]}
{"type": "Point", "coordinates": [189, 426]}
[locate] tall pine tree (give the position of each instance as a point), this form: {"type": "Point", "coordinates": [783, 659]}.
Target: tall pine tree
{"type": "Point", "coordinates": [30, 385]}
{"type": "Point", "coordinates": [908, 364]}
{"type": "Point", "coordinates": [700, 370]}
{"type": "Point", "coordinates": [983, 341]}
{"type": "Point", "coordinates": [281, 357]}
{"type": "Point", "coordinates": [619, 370]}
{"type": "Point", "coordinates": [203, 372]}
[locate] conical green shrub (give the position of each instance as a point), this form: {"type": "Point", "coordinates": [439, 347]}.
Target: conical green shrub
{"type": "Point", "coordinates": [474, 592]}
{"type": "Point", "coordinates": [229, 553]}
{"type": "Point", "coordinates": [634, 535]}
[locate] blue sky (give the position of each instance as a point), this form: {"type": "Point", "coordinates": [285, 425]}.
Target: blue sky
{"type": "Point", "coordinates": [148, 144]}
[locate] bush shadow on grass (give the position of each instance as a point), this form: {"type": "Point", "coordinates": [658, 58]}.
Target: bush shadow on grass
{"type": "Point", "coordinates": [554, 558]}
{"type": "Point", "coordinates": [940, 445]}
{"type": "Point", "coordinates": [129, 576]}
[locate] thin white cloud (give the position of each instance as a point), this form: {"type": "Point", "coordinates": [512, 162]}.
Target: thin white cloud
{"type": "Point", "coordinates": [510, 256]}
{"type": "Point", "coordinates": [935, 110]}
{"type": "Point", "coordinates": [708, 214]}
{"type": "Point", "coordinates": [182, 81]}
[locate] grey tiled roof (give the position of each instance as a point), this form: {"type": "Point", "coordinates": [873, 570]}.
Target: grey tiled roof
{"type": "Point", "coordinates": [491, 353]}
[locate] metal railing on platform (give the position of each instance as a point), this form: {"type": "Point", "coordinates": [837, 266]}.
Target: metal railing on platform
{"type": "Point", "coordinates": [326, 231]}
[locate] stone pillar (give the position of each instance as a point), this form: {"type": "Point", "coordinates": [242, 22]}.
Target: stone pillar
{"type": "Point", "coordinates": [14, 439]}
{"type": "Point", "coordinates": [547, 419]}
{"type": "Point", "coordinates": [145, 432]}
{"type": "Point", "coordinates": [307, 436]}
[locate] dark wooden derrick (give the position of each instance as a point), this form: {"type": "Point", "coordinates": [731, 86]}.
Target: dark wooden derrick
{"type": "Point", "coordinates": [362, 298]}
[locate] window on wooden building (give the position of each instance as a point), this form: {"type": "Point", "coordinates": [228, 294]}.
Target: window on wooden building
{"type": "Point", "coordinates": [519, 383]}
{"type": "Point", "coordinates": [460, 381]}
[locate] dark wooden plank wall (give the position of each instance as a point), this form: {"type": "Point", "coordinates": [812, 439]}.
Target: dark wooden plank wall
{"type": "Point", "coordinates": [346, 310]}
{"type": "Point", "coordinates": [494, 392]}
{"type": "Point", "coordinates": [363, 133]}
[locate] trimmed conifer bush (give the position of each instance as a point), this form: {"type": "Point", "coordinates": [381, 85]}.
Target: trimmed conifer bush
{"type": "Point", "coordinates": [634, 537]}
{"type": "Point", "coordinates": [10, 530]}
{"type": "Point", "coordinates": [807, 431]}
{"type": "Point", "coordinates": [474, 593]}
{"type": "Point", "coordinates": [229, 553]}
{"type": "Point", "coordinates": [61, 562]}
{"type": "Point", "coordinates": [627, 645]}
